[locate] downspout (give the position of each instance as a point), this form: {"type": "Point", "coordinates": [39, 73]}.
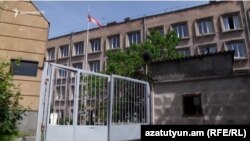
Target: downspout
{"type": "Point", "coordinates": [70, 50]}
{"type": "Point", "coordinates": [144, 29]}
{"type": "Point", "coordinates": [68, 86]}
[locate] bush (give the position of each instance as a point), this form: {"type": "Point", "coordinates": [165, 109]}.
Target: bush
{"type": "Point", "coordinates": [10, 110]}
{"type": "Point", "coordinates": [7, 137]}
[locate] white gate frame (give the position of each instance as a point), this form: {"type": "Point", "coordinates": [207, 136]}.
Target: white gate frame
{"type": "Point", "coordinates": [127, 131]}
{"type": "Point", "coordinates": [46, 96]}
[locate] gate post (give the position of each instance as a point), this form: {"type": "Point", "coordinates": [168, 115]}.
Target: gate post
{"type": "Point", "coordinates": [148, 102]}
{"type": "Point", "coordinates": [41, 104]}
{"type": "Point", "coordinates": [110, 101]}
{"type": "Point", "coordinates": [76, 97]}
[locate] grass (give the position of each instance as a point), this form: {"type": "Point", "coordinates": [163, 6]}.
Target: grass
{"type": "Point", "coordinates": [7, 137]}
{"type": "Point", "coordinates": [13, 137]}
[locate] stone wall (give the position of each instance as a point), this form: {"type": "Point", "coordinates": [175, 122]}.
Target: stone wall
{"type": "Point", "coordinates": [225, 100]}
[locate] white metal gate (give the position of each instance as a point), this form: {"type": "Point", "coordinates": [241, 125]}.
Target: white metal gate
{"type": "Point", "coordinates": [78, 105]}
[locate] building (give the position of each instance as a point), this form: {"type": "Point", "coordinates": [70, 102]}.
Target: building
{"type": "Point", "coordinates": [24, 36]}
{"type": "Point", "coordinates": [209, 28]}
{"type": "Point", "coordinates": [211, 93]}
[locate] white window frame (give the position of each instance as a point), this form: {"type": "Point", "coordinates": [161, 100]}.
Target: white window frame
{"type": "Point", "coordinates": [72, 92]}
{"type": "Point", "coordinates": [61, 73]}
{"type": "Point", "coordinates": [95, 45]}
{"type": "Point", "coordinates": [51, 52]}
{"type": "Point", "coordinates": [76, 64]}
{"type": "Point", "coordinates": [224, 27]}
{"type": "Point", "coordinates": [184, 48]}
{"type": "Point", "coordinates": [97, 66]}
{"type": "Point", "coordinates": [237, 52]}
{"type": "Point", "coordinates": [137, 38]}
{"type": "Point", "coordinates": [181, 25]}
{"type": "Point", "coordinates": [64, 51]}
{"type": "Point", "coordinates": [160, 29]}
{"type": "Point", "coordinates": [207, 46]}
{"type": "Point", "coordinates": [62, 90]}
{"type": "Point", "coordinates": [204, 25]}
{"type": "Point", "coordinates": [114, 39]}
{"type": "Point", "coordinates": [77, 51]}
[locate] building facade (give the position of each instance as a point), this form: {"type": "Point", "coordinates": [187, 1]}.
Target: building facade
{"type": "Point", "coordinates": [209, 28]}
{"type": "Point", "coordinates": [24, 37]}
{"type": "Point", "coordinates": [204, 29]}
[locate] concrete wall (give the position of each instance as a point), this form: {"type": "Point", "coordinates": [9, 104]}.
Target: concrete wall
{"type": "Point", "coordinates": [24, 36]}
{"type": "Point", "coordinates": [224, 100]}
{"type": "Point", "coordinates": [29, 122]}
{"type": "Point", "coordinates": [224, 93]}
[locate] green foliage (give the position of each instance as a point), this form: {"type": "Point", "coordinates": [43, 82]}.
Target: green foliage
{"type": "Point", "coordinates": [10, 110]}
{"type": "Point", "coordinates": [130, 62]}
{"type": "Point", "coordinates": [7, 137]}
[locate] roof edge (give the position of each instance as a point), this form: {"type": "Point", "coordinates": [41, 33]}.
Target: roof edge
{"type": "Point", "coordinates": [195, 57]}
{"type": "Point", "coordinates": [40, 12]}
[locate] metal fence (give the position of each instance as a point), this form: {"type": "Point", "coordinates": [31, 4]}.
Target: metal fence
{"type": "Point", "coordinates": [129, 100]}
{"type": "Point", "coordinates": [73, 102]}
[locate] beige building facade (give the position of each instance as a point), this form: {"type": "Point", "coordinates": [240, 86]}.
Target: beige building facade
{"type": "Point", "coordinates": [23, 36]}
{"type": "Point", "coordinates": [209, 28]}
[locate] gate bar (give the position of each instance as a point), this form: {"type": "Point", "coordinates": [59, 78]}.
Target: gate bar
{"type": "Point", "coordinates": [110, 97]}
{"type": "Point", "coordinates": [41, 104]}
{"type": "Point", "coordinates": [76, 97]}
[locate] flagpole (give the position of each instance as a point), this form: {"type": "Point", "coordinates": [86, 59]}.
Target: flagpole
{"type": "Point", "coordinates": [85, 67]}
{"type": "Point", "coordinates": [87, 45]}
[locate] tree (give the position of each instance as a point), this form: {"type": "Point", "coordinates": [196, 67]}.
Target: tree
{"type": "Point", "coordinates": [10, 110]}
{"type": "Point", "coordinates": [131, 63]}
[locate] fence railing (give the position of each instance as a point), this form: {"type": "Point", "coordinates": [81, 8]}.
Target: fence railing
{"type": "Point", "coordinates": [72, 99]}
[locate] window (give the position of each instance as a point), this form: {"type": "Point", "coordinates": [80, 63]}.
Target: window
{"type": "Point", "coordinates": [51, 54]}
{"type": "Point", "coordinates": [184, 51]}
{"type": "Point", "coordinates": [72, 93]}
{"type": "Point", "coordinates": [114, 42]}
{"type": "Point", "coordinates": [181, 30]}
{"type": "Point", "coordinates": [64, 51]}
{"type": "Point", "coordinates": [205, 26]}
{"type": "Point", "coordinates": [62, 73]}
{"type": "Point", "coordinates": [78, 48]}
{"type": "Point", "coordinates": [94, 66]}
{"type": "Point", "coordinates": [207, 49]}
{"type": "Point", "coordinates": [192, 105]}
{"type": "Point", "coordinates": [157, 29]}
{"type": "Point", "coordinates": [134, 38]}
{"type": "Point", "coordinates": [231, 22]}
{"type": "Point", "coordinates": [77, 65]}
{"type": "Point", "coordinates": [60, 92]}
{"type": "Point", "coordinates": [26, 68]}
{"type": "Point", "coordinates": [95, 45]}
{"type": "Point", "coordinates": [238, 47]}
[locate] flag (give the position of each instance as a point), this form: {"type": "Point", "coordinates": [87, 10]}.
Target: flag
{"type": "Point", "coordinates": [91, 19]}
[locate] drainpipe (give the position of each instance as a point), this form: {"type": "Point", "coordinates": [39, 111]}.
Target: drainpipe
{"type": "Point", "coordinates": [70, 49]}
{"type": "Point", "coordinates": [68, 86]}
{"type": "Point", "coordinates": [144, 29]}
